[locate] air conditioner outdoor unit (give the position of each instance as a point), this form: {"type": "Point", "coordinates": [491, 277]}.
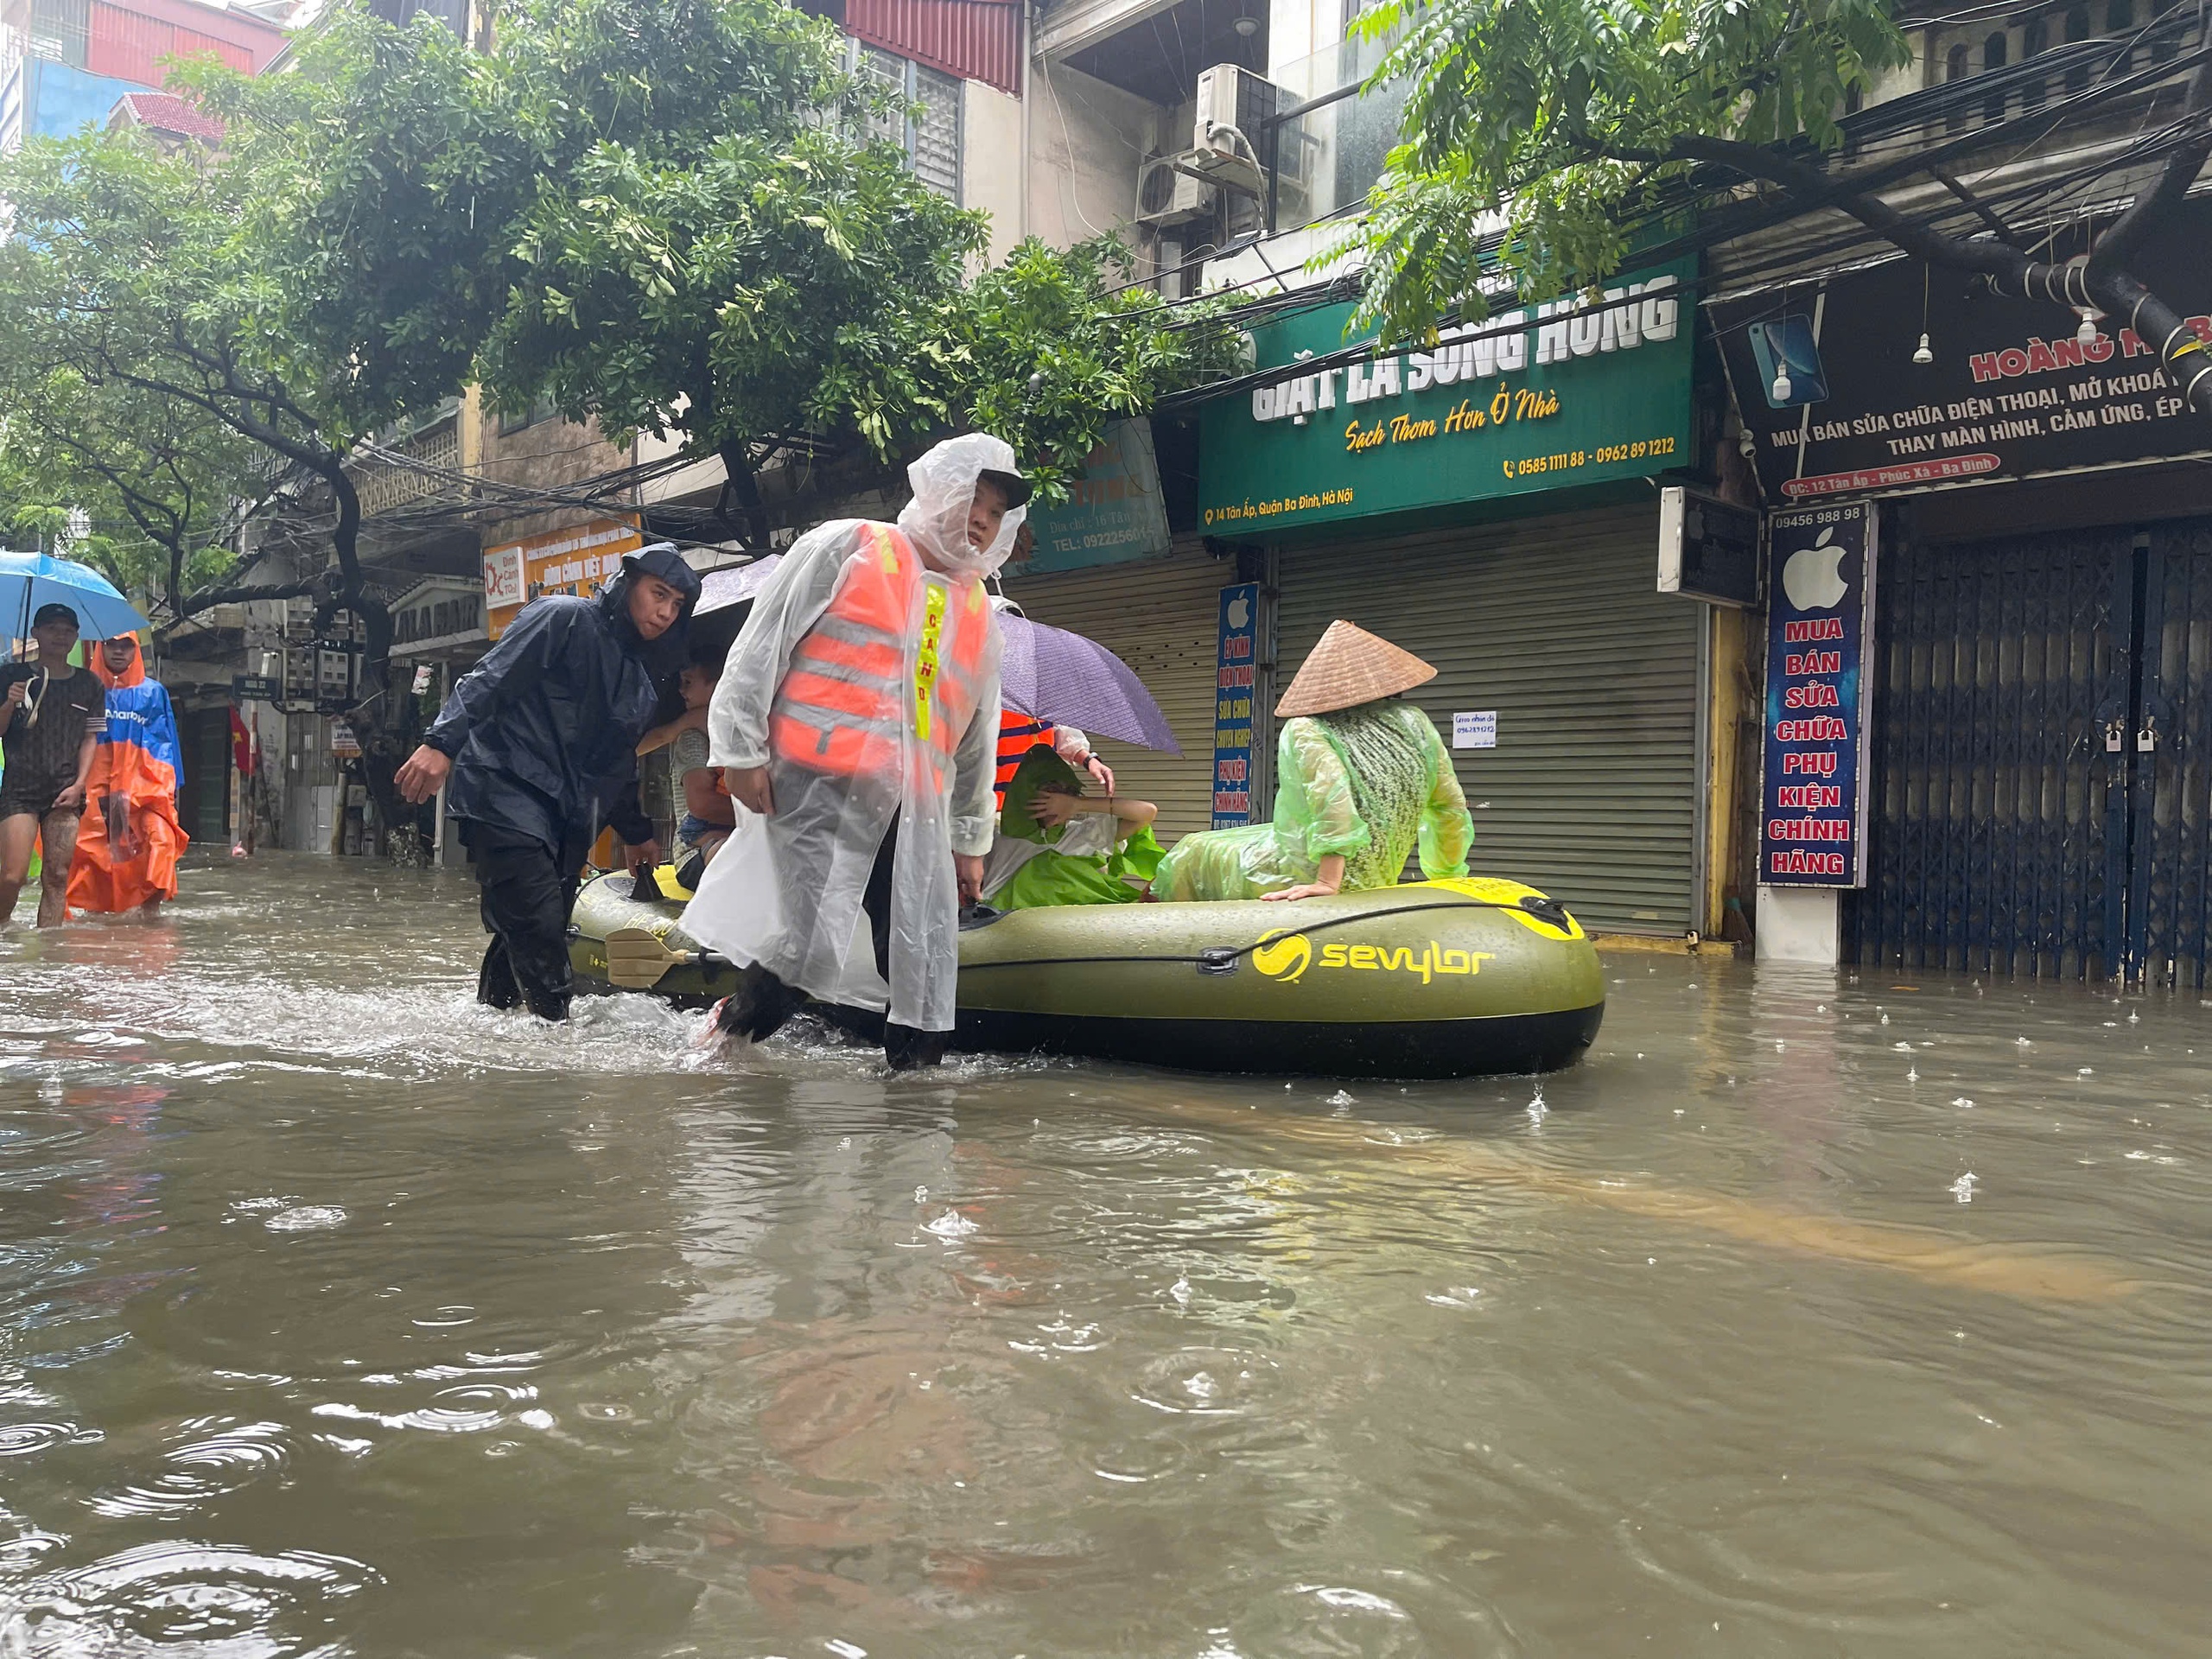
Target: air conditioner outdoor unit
{"type": "Point", "coordinates": [1234, 106]}
{"type": "Point", "coordinates": [1168, 196]}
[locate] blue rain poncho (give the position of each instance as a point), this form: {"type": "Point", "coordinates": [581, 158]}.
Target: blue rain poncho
{"type": "Point", "coordinates": [1372, 783]}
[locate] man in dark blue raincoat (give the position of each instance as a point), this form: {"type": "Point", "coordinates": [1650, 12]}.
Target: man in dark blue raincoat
{"type": "Point", "coordinates": [539, 741]}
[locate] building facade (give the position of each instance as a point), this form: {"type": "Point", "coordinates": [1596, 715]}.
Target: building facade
{"type": "Point", "coordinates": [2029, 677]}
{"type": "Point", "coordinates": [64, 64]}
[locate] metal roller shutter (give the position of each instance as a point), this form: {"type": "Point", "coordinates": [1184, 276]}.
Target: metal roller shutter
{"type": "Point", "coordinates": [1591, 793]}
{"type": "Point", "coordinates": [1161, 618]}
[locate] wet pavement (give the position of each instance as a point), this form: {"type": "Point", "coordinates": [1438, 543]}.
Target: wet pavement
{"type": "Point", "coordinates": [1808, 1316]}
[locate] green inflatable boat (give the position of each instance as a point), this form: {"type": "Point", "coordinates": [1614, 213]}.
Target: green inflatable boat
{"type": "Point", "coordinates": [1438, 979]}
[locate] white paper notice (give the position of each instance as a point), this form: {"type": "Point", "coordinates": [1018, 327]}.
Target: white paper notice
{"type": "Point", "coordinates": [1476, 730]}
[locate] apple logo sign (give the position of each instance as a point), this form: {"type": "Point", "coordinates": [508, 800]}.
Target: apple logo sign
{"type": "Point", "coordinates": [1240, 613]}
{"type": "Point", "coordinates": [1809, 576]}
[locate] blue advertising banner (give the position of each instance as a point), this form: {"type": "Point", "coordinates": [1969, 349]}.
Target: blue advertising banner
{"type": "Point", "coordinates": [1819, 629]}
{"type": "Point", "coordinates": [1115, 512]}
{"type": "Point", "coordinates": [1232, 705]}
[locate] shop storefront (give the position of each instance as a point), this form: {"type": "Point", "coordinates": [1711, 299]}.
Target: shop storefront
{"type": "Point", "coordinates": [1484, 504]}
{"type": "Point", "coordinates": [2038, 800]}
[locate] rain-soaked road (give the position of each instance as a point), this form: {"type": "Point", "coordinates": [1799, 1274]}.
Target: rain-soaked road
{"type": "Point", "coordinates": [340, 1316]}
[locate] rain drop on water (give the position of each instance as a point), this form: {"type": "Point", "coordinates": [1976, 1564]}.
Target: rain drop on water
{"type": "Point", "coordinates": [1962, 1189]}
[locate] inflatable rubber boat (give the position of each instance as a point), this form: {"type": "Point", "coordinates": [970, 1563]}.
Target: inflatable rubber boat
{"type": "Point", "coordinates": [1437, 979]}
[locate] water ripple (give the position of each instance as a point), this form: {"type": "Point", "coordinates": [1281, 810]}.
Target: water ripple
{"type": "Point", "coordinates": [192, 1474]}
{"type": "Point", "coordinates": [22, 1439]}
{"type": "Point", "coordinates": [178, 1597]}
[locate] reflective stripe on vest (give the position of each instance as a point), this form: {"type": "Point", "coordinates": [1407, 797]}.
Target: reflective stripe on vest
{"type": "Point", "coordinates": [1018, 734]}
{"type": "Point", "coordinates": [843, 705]}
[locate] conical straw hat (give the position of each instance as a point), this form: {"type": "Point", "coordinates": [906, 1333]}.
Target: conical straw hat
{"type": "Point", "coordinates": [1349, 667]}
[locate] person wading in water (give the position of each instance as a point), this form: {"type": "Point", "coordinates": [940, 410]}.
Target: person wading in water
{"type": "Point", "coordinates": [539, 741]}
{"type": "Point", "coordinates": [857, 723]}
{"type": "Point", "coordinates": [51, 718]}
{"type": "Point", "coordinates": [129, 845]}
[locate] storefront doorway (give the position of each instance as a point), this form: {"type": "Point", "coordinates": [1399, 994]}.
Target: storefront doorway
{"type": "Point", "coordinates": [2042, 780]}
{"type": "Point", "coordinates": [206, 800]}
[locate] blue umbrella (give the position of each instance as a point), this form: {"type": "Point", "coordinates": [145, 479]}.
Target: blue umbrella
{"type": "Point", "coordinates": [28, 580]}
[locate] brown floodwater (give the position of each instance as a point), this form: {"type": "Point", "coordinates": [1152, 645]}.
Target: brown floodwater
{"type": "Point", "coordinates": [1809, 1315]}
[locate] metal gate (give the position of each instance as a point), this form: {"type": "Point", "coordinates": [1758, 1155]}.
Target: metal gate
{"type": "Point", "coordinates": [2041, 783]}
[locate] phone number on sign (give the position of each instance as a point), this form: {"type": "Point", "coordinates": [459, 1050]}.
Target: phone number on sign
{"type": "Point", "coordinates": [1605, 454]}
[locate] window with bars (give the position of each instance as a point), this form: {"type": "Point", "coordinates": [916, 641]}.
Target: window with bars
{"type": "Point", "coordinates": [931, 137]}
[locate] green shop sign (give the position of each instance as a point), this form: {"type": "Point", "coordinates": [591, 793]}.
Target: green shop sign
{"type": "Point", "coordinates": [1579, 393]}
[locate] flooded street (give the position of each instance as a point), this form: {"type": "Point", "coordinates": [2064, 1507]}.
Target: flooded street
{"type": "Point", "coordinates": [340, 1315]}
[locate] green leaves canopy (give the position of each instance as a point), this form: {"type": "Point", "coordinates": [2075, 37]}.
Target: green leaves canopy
{"type": "Point", "coordinates": [1552, 120]}
{"type": "Point", "coordinates": [761, 290]}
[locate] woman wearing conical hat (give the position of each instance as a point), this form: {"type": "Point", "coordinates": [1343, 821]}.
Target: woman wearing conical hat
{"type": "Point", "coordinates": [1362, 778]}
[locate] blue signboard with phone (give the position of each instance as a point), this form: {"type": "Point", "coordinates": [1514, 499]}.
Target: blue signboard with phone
{"type": "Point", "coordinates": [1819, 622]}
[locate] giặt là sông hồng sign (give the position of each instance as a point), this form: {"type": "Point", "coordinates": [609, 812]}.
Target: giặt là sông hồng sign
{"type": "Point", "coordinates": [1573, 391]}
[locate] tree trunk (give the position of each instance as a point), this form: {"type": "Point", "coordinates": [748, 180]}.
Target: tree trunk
{"type": "Point", "coordinates": [374, 712]}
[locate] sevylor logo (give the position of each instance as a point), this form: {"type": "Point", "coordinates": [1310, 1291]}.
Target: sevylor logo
{"type": "Point", "coordinates": [1286, 956]}
{"type": "Point", "coordinates": [1283, 957]}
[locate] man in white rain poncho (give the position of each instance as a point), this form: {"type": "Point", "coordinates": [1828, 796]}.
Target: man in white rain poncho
{"type": "Point", "coordinates": [856, 723]}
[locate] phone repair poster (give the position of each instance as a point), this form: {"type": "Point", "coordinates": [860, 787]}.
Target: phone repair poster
{"type": "Point", "coordinates": [1820, 617]}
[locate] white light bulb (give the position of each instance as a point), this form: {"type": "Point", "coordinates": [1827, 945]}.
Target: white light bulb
{"type": "Point", "coordinates": [1780, 391]}
{"type": "Point", "coordinates": [1925, 354]}
{"type": "Point", "coordinates": [2086, 333]}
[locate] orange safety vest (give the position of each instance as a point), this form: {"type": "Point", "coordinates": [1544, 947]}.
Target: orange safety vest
{"type": "Point", "coordinates": [1018, 734]}
{"type": "Point", "coordinates": [846, 703]}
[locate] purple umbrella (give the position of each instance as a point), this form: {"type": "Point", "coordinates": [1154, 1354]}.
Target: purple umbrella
{"type": "Point", "coordinates": [1062, 678]}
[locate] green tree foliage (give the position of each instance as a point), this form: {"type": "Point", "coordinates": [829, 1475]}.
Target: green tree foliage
{"type": "Point", "coordinates": [1049, 347]}
{"type": "Point", "coordinates": [292, 294]}
{"type": "Point", "coordinates": [1535, 132]}
{"type": "Point", "coordinates": [162, 491]}
{"type": "Point", "coordinates": [762, 289]}
{"type": "Point", "coordinates": [1553, 119]}
{"type": "Point", "coordinates": [731, 259]}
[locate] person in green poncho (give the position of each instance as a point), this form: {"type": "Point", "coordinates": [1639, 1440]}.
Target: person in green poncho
{"type": "Point", "coordinates": [1364, 779]}
{"type": "Point", "coordinates": [1057, 846]}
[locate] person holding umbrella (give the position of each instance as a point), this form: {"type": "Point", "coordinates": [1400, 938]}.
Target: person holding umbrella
{"type": "Point", "coordinates": [52, 715]}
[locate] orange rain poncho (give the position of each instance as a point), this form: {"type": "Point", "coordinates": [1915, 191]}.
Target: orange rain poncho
{"type": "Point", "coordinates": [140, 760]}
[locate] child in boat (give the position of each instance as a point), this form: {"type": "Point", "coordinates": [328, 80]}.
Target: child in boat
{"type": "Point", "coordinates": [706, 813]}
{"type": "Point", "coordinates": [1057, 846]}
